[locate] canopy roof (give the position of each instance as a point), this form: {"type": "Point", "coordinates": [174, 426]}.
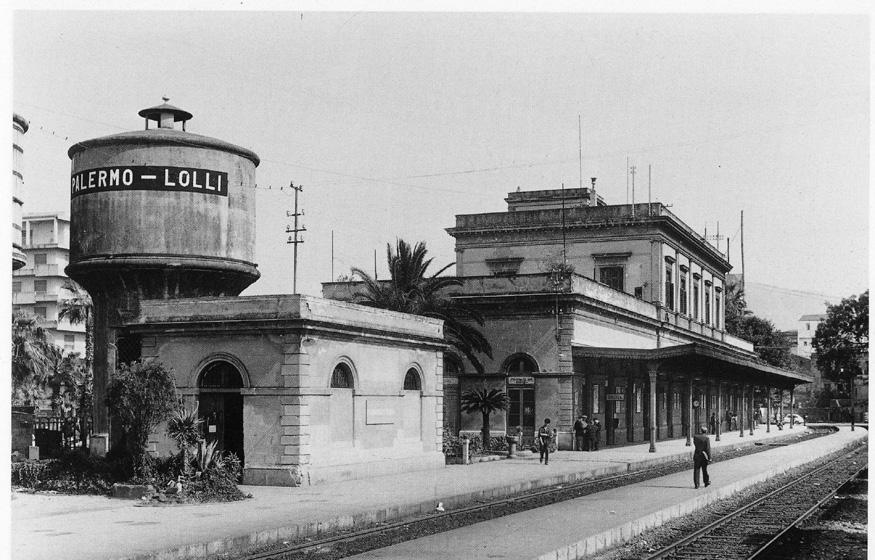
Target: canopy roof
{"type": "Point", "coordinates": [707, 353]}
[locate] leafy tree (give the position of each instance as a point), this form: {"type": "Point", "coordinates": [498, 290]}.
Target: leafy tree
{"type": "Point", "coordinates": [840, 340]}
{"type": "Point", "coordinates": [140, 395]}
{"type": "Point", "coordinates": [485, 401]}
{"type": "Point", "coordinates": [767, 340]}
{"type": "Point", "coordinates": [411, 289]}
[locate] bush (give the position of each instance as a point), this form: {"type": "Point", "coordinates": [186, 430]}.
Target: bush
{"type": "Point", "coordinates": [73, 473]}
{"type": "Point", "coordinates": [218, 483]}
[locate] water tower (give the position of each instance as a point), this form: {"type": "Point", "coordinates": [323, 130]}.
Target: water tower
{"type": "Point", "coordinates": [158, 213]}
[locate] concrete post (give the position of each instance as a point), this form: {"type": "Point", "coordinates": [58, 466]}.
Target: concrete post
{"type": "Point", "coordinates": [768, 409]}
{"type": "Point", "coordinates": [751, 415]}
{"type": "Point", "coordinates": [741, 409]}
{"type": "Point", "coordinates": [780, 408]}
{"type": "Point", "coordinates": [466, 458]}
{"type": "Point", "coordinates": [689, 411]}
{"type": "Point", "coordinates": [719, 409]}
{"type": "Point", "coordinates": [792, 405]}
{"type": "Point", "coordinates": [651, 372]}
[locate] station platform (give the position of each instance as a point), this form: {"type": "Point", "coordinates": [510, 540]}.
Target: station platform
{"type": "Point", "coordinates": [51, 526]}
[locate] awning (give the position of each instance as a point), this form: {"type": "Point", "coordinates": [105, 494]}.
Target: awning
{"type": "Point", "coordinates": [692, 350]}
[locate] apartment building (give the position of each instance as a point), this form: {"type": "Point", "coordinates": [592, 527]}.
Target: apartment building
{"type": "Point", "coordinates": [38, 287]}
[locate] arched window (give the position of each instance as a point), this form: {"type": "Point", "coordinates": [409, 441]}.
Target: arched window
{"type": "Point", "coordinates": [521, 365]}
{"type": "Point", "coordinates": [452, 365]}
{"type": "Point", "coordinates": [341, 377]}
{"type": "Point", "coordinates": [221, 375]}
{"type": "Point", "coordinates": [412, 381]}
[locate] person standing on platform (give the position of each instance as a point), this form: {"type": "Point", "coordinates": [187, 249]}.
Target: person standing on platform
{"type": "Point", "coordinates": [713, 423]}
{"type": "Point", "coordinates": [728, 420]}
{"type": "Point", "coordinates": [580, 431]}
{"type": "Point", "coordinates": [701, 457]}
{"type": "Point", "coordinates": [545, 436]}
{"type": "Point", "coordinates": [596, 433]}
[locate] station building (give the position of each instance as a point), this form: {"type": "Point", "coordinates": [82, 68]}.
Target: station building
{"type": "Point", "coordinates": [612, 311]}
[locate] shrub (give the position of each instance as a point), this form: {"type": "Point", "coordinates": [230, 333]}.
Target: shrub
{"type": "Point", "coordinates": [141, 395]}
{"type": "Point", "coordinates": [73, 473]}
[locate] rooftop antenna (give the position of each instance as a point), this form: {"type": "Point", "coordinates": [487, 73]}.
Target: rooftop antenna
{"type": "Point", "coordinates": [627, 179]}
{"type": "Point", "coordinates": [579, 152]}
{"type": "Point", "coordinates": [649, 197]}
{"type": "Point", "coordinates": [633, 171]}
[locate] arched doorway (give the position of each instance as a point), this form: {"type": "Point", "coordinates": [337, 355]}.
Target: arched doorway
{"type": "Point", "coordinates": [220, 405]}
{"type": "Point", "coordinates": [521, 396]}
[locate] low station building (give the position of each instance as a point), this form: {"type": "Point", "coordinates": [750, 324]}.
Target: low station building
{"type": "Point", "coordinates": [612, 311]}
{"type": "Point", "coordinates": [302, 389]}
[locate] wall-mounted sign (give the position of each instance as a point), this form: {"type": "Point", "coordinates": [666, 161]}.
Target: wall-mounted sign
{"type": "Point", "coordinates": [520, 380]}
{"type": "Point", "coordinates": [615, 397]}
{"type": "Point", "coordinates": [149, 178]}
{"type": "Point", "coordinates": [379, 411]}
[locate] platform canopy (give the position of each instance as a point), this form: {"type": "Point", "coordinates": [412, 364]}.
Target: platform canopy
{"type": "Point", "coordinates": [696, 355]}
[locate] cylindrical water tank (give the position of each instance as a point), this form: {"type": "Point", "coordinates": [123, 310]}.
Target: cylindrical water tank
{"type": "Point", "coordinates": [155, 214]}
{"type": "Point", "coordinates": [163, 212]}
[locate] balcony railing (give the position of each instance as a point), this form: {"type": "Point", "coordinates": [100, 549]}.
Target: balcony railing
{"type": "Point", "coordinates": [576, 284]}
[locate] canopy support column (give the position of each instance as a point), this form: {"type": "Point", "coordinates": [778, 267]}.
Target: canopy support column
{"type": "Point", "coordinates": [651, 373]}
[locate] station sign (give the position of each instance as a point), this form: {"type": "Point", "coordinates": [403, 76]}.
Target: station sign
{"type": "Point", "coordinates": [149, 178]}
{"type": "Point", "coordinates": [615, 397]}
{"type": "Point", "coordinates": [520, 380]}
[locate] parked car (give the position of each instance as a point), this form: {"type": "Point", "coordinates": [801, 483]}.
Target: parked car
{"type": "Point", "coordinates": [795, 418]}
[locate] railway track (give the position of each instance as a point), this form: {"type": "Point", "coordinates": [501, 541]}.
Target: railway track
{"type": "Point", "coordinates": [350, 543]}
{"type": "Point", "coordinates": [748, 532]}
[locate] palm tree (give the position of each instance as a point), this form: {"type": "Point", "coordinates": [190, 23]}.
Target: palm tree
{"type": "Point", "coordinates": [30, 352]}
{"type": "Point", "coordinates": [411, 289]}
{"type": "Point", "coordinates": [485, 401]}
{"type": "Point", "coordinates": [80, 309]}
{"type": "Point", "coordinates": [736, 307]}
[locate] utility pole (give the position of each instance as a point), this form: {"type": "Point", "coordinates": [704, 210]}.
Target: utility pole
{"type": "Point", "coordinates": [649, 192]}
{"type": "Point", "coordinates": [332, 255]}
{"type": "Point", "coordinates": [564, 253]}
{"type": "Point", "coordinates": [293, 238]}
{"type": "Point", "coordinates": [627, 179]}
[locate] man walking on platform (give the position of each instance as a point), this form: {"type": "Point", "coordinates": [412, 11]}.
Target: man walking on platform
{"type": "Point", "coordinates": [596, 433]}
{"type": "Point", "coordinates": [701, 456]}
{"type": "Point", "coordinates": [545, 436]}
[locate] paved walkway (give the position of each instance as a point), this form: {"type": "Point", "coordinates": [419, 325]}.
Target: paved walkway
{"type": "Point", "coordinates": [583, 526]}
{"type": "Point", "coordinates": [48, 527]}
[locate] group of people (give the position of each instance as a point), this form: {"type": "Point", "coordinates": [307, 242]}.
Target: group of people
{"type": "Point", "coordinates": [587, 434]}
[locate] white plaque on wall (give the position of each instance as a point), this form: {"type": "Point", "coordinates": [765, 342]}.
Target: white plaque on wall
{"type": "Point", "coordinates": [379, 411]}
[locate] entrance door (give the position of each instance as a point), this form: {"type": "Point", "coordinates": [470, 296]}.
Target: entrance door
{"type": "Point", "coordinates": [521, 412]}
{"type": "Point", "coordinates": [220, 406]}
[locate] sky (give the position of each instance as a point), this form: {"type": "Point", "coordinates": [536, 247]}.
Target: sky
{"type": "Point", "coordinates": [396, 122]}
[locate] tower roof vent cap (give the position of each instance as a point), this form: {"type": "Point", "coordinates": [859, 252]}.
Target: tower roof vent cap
{"type": "Point", "coordinates": [165, 115]}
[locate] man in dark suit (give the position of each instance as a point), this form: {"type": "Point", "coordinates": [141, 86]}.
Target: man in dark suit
{"type": "Point", "coordinates": [701, 456]}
